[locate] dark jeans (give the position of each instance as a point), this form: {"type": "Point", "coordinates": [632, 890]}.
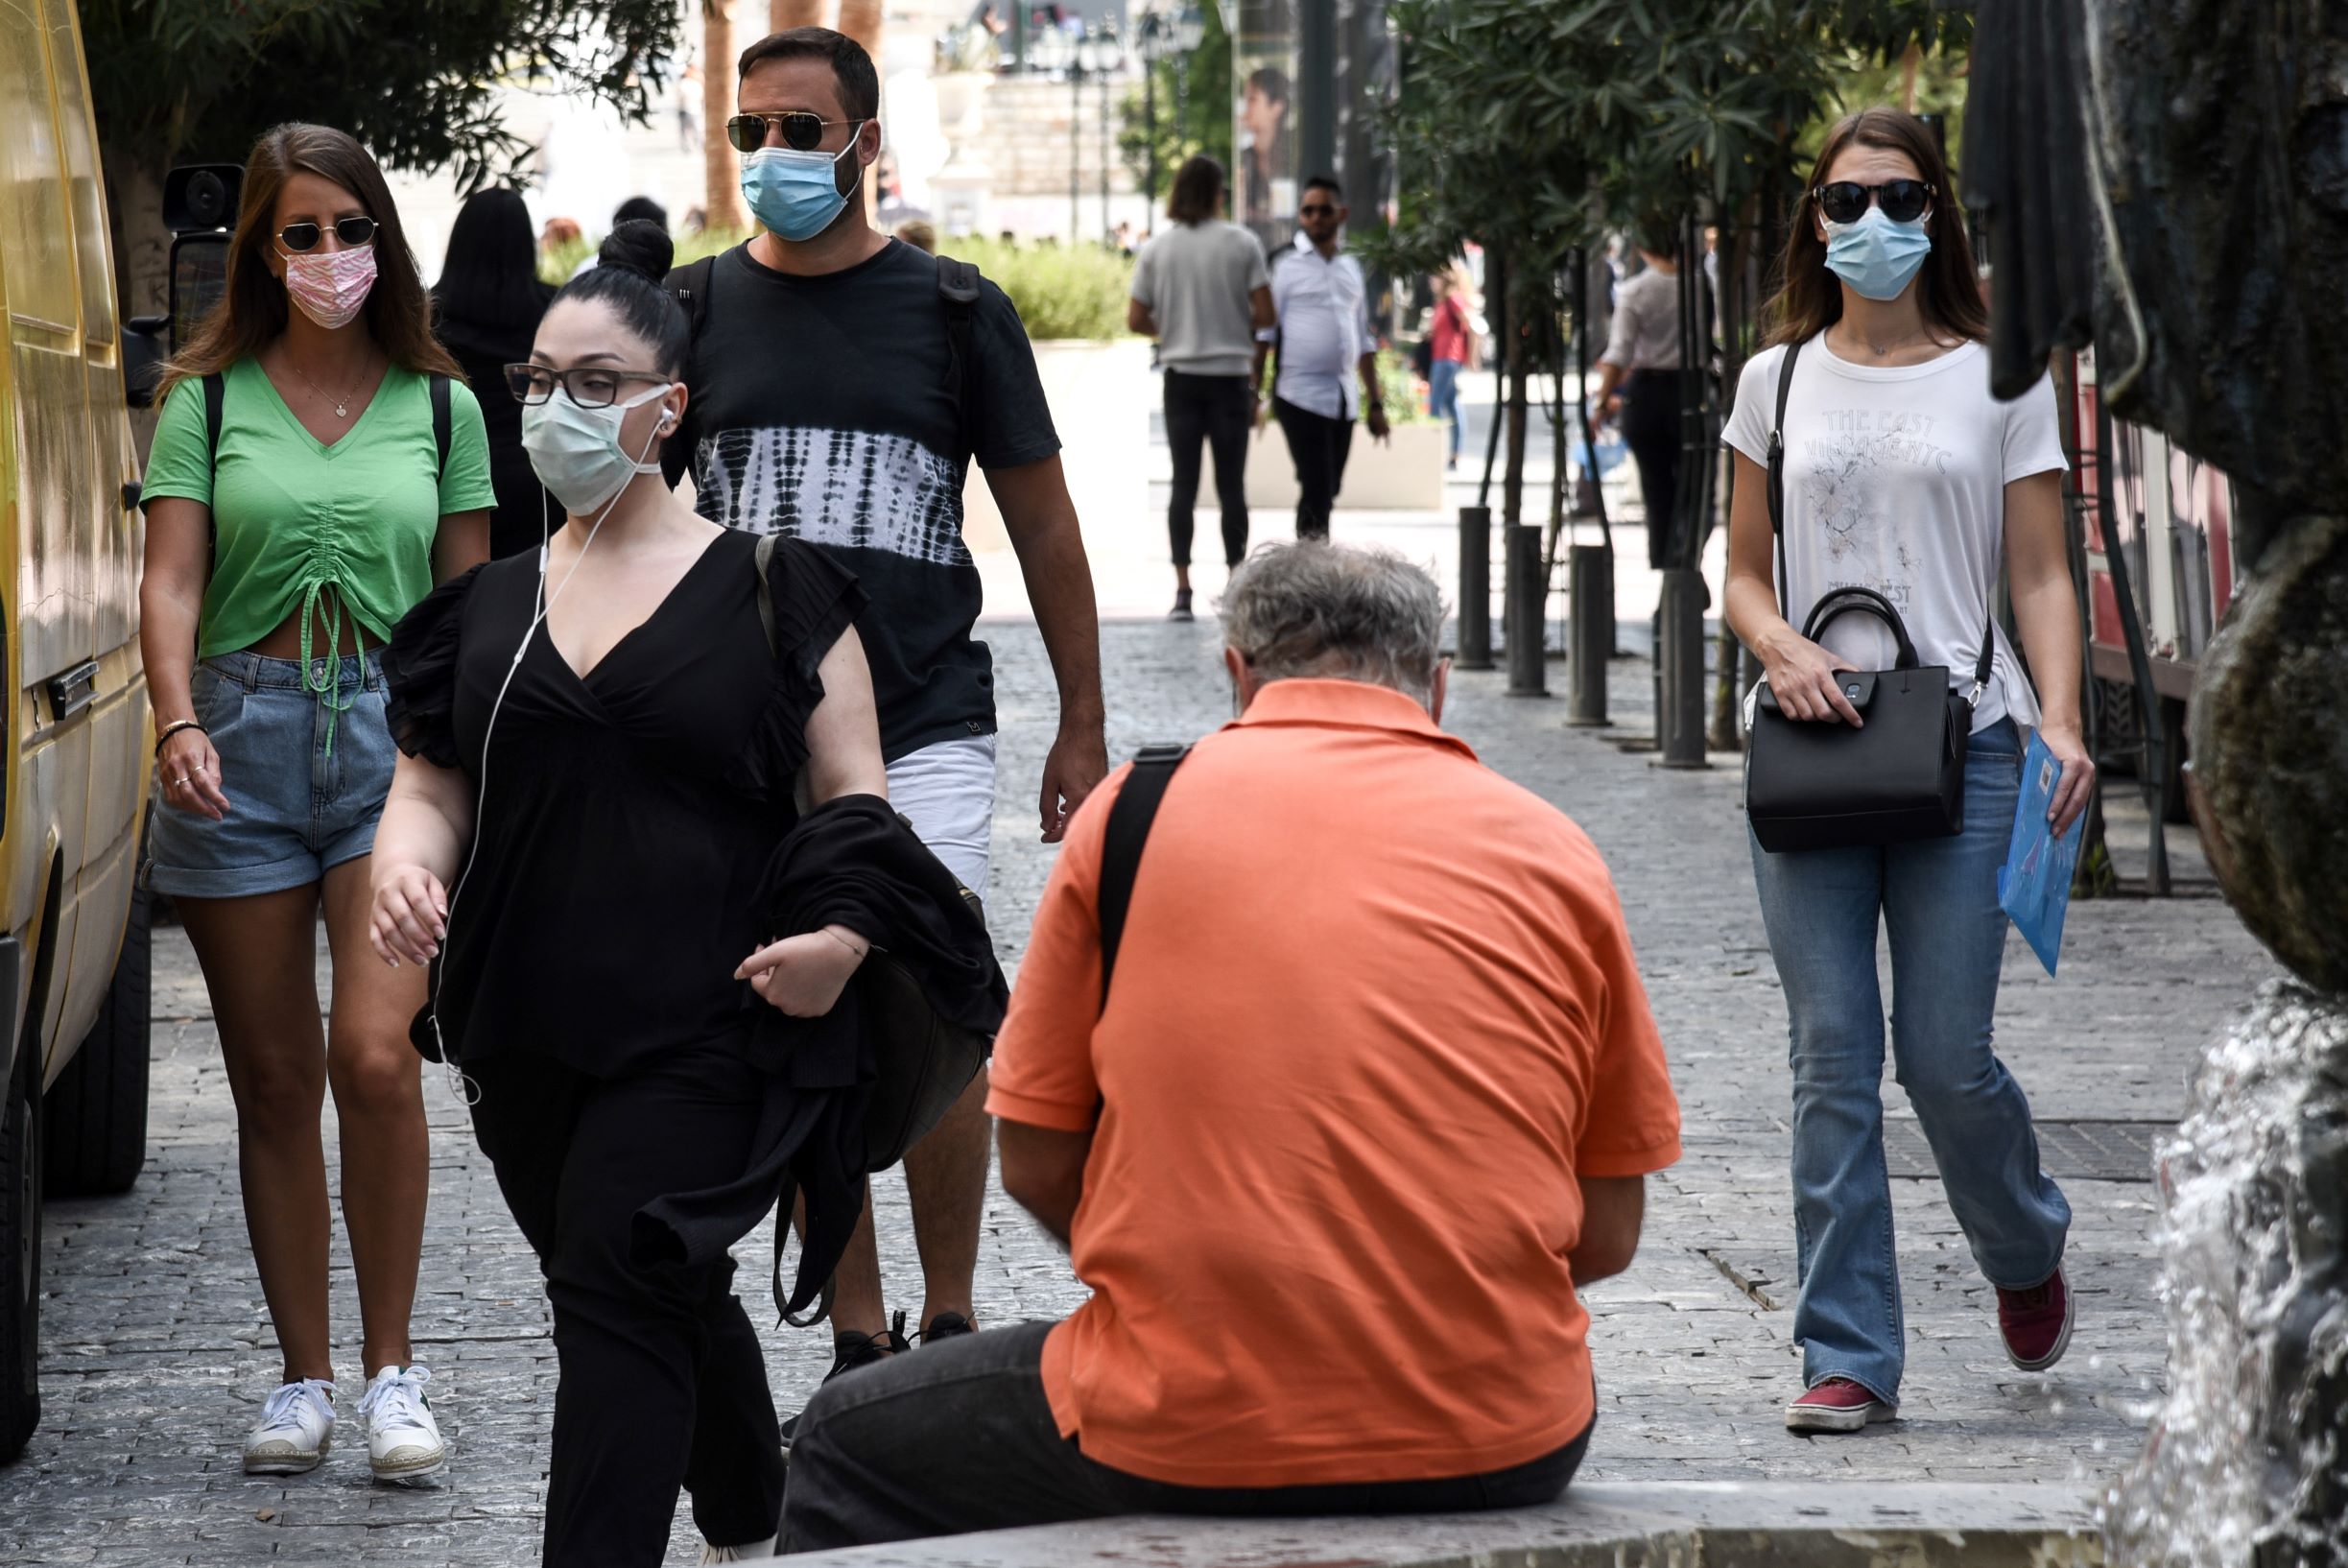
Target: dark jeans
{"type": "Point", "coordinates": [663, 1383]}
{"type": "Point", "coordinates": [1651, 429]}
{"type": "Point", "coordinates": [1319, 445]}
{"type": "Point", "coordinates": [959, 1436]}
{"type": "Point", "coordinates": [1208, 410]}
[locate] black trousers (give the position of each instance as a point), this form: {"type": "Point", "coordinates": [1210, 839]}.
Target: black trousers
{"type": "Point", "coordinates": [1214, 411]}
{"type": "Point", "coordinates": [959, 1436]}
{"type": "Point", "coordinates": [662, 1381]}
{"type": "Point", "coordinates": [1651, 429]}
{"type": "Point", "coordinates": [1319, 447]}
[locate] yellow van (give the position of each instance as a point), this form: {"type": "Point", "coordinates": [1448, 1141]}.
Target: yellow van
{"type": "Point", "coordinates": [74, 725]}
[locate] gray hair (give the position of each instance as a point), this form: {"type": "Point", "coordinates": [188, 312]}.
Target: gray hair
{"type": "Point", "coordinates": [1331, 611]}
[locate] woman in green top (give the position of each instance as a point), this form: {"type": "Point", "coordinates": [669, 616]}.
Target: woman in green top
{"type": "Point", "coordinates": [318, 465]}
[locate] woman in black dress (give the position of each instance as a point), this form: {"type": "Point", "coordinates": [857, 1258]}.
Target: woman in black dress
{"type": "Point", "coordinates": [593, 831]}
{"type": "Point", "coordinates": [486, 311]}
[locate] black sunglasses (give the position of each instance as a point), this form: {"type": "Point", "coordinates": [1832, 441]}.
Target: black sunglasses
{"type": "Point", "coordinates": [802, 129]}
{"type": "Point", "coordinates": [353, 231]}
{"type": "Point", "coordinates": [1845, 200]}
{"type": "Point", "coordinates": [590, 386]}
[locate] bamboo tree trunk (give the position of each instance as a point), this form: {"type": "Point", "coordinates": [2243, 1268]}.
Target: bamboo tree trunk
{"type": "Point", "coordinates": [785, 13]}
{"type": "Point", "coordinates": [861, 20]}
{"type": "Point", "coordinates": [721, 174]}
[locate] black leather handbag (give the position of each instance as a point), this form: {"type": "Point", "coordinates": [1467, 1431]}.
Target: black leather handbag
{"type": "Point", "coordinates": [1810, 784]}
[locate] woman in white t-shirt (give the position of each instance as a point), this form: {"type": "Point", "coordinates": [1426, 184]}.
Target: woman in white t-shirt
{"type": "Point", "coordinates": [1903, 475]}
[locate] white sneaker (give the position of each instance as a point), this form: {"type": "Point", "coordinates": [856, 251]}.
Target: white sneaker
{"type": "Point", "coordinates": [403, 1441]}
{"type": "Point", "coordinates": [296, 1429]}
{"type": "Point", "coordinates": [754, 1552]}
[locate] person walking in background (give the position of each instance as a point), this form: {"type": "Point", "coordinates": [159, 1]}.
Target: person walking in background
{"type": "Point", "coordinates": [919, 234]}
{"type": "Point", "coordinates": [1201, 288]}
{"type": "Point", "coordinates": [839, 396]}
{"type": "Point", "coordinates": [1423, 989]}
{"type": "Point", "coordinates": [485, 311]}
{"type": "Point", "coordinates": [1881, 317]}
{"type": "Point", "coordinates": [637, 209]}
{"type": "Point", "coordinates": [1451, 343]}
{"type": "Point", "coordinates": [279, 560]}
{"type": "Point", "coordinates": [1322, 310]}
{"type": "Point", "coordinates": [1638, 382]}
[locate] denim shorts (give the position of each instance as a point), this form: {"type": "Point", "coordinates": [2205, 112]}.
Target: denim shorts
{"type": "Point", "coordinates": [297, 804]}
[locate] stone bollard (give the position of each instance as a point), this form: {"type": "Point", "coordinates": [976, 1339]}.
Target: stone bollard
{"type": "Point", "coordinates": [1589, 583]}
{"type": "Point", "coordinates": [1475, 650]}
{"type": "Point", "coordinates": [1679, 670]}
{"type": "Point", "coordinates": [1527, 587]}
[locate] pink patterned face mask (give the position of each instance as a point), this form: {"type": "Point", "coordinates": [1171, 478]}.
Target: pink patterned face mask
{"type": "Point", "coordinates": [331, 286]}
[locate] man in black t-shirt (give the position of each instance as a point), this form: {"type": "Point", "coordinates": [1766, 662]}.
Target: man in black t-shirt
{"type": "Point", "coordinates": [829, 402]}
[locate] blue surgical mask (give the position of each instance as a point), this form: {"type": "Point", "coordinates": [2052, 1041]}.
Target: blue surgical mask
{"type": "Point", "coordinates": [576, 453]}
{"type": "Point", "coordinates": [796, 195]}
{"type": "Point", "coordinates": [1875, 256]}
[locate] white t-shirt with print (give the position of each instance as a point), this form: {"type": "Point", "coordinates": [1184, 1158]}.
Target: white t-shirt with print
{"type": "Point", "coordinates": [1895, 481]}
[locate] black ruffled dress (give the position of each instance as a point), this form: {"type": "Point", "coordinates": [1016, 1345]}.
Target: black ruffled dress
{"type": "Point", "coordinates": [637, 839]}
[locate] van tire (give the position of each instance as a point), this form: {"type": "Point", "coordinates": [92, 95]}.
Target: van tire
{"type": "Point", "coordinates": [20, 1246]}
{"type": "Point", "coordinates": [97, 1110]}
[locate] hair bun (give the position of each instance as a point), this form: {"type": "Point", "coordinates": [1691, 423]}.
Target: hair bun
{"type": "Point", "coordinates": [639, 246]}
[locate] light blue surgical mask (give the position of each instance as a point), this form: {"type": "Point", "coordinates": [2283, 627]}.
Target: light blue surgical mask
{"type": "Point", "coordinates": [796, 195]}
{"type": "Point", "coordinates": [1875, 256]}
{"type": "Point", "coordinates": [576, 453]}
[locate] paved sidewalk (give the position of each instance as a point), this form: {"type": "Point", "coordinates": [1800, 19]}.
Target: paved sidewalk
{"type": "Point", "coordinates": [156, 1352]}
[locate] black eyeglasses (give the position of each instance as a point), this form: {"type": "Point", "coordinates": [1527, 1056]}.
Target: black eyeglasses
{"type": "Point", "coordinates": [1845, 200]}
{"type": "Point", "coordinates": [590, 386]}
{"type": "Point", "coordinates": [1316, 210]}
{"type": "Point", "coordinates": [353, 231]}
{"type": "Point", "coordinates": [802, 129]}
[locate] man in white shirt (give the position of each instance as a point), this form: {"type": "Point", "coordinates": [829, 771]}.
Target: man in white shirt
{"type": "Point", "coordinates": [1323, 341]}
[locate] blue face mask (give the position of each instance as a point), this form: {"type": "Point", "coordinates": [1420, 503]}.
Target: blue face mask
{"type": "Point", "coordinates": [794, 194]}
{"type": "Point", "coordinates": [1875, 256]}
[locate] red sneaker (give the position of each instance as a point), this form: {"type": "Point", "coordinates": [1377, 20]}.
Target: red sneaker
{"type": "Point", "coordinates": [1838, 1405]}
{"type": "Point", "coordinates": [2036, 1324]}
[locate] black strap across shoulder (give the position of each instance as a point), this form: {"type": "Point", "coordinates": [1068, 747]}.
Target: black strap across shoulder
{"type": "Point", "coordinates": [1128, 833]}
{"type": "Point", "coordinates": [216, 405]}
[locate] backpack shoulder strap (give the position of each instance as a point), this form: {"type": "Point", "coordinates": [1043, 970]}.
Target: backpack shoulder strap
{"type": "Point", "coordinates": [215, 408]}
{"type": "Point", "coordinates": [1136, 808]}
{"type": "Point", "coordinates": [1777, 473]}
{"type": "Point", "coordinates": [442, 420]}
{"type": "Point", "coordinates": [958, 292]}
{"type": "Point", "coordinates": [764, 556]}
{"type": "Point", "coordinates": [689, 287]}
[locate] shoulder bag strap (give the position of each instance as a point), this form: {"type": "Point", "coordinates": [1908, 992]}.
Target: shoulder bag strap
{"type": "Point", "coordinates": [1121, 852]}
{"type": "Point", "coordinates": [215, 408]}
{"type": "Point", "coordinates": [1777, 475]}
{"type": "Point", "coordinates": [958, 290]}
{"type": "Point", "coordinates": [442, 420]}
{"type": "Point", "coordinates": [764, 556]}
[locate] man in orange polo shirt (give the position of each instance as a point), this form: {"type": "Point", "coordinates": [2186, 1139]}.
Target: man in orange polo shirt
{"type": "Point", "coordinates": [1374, 1088]}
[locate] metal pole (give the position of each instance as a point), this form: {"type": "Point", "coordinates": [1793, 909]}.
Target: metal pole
{"type": "Point", "coordinates": [1679, 661]}
{"type": "Point", "coordinates": [1589, 581]}
{"type": "Point", "coordinates": [1076, 153]}
{"type": "Point", "coordinates": [1108, 225]}
{"type": "Point", "coordinates": [1475, 589]}
{"type": "Point", "coordinates": [1526, 611]}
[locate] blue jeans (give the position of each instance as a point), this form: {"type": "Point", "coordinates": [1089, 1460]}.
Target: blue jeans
{"type": "Point", "coordinates": [1938, 898]}
{"type": "Point", "coordinates": [1444, 396]}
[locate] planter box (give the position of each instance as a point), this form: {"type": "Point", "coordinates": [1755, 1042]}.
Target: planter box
{"type": "Point", "coordinates": [1405, 476]}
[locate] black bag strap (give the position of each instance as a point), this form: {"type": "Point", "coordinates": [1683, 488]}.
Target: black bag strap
{"type": "Point", "coordinates": [958, 292]}
{"type": "Point", "coordinates": [689, 287]}
{"type": "Point", "coordinates": [1817, 620]}
{"type": "Point", "coordinates": [442, 420]}
{"type": "Point", "coordinates": [1866, 602]}
{"type": "Point", "coordinates": [1126, 835]}
{"type": "Point", "coordinates": [764, 556]}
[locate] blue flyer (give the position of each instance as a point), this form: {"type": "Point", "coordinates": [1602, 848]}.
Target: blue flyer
{"type": "Point", "coordinates": [2034, 884]}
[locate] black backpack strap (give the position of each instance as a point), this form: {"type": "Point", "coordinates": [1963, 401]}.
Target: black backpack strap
{"type": "Point", "coordinates": [1777, 473]}
{"type": "Point", "coordinates": [1136, 807]}
{"type": "Point", "coordinates": [442, 420]}
{"type": "Point", "coordinates": [689, 286]}
{"type": "Point", "coordinates": [215, 407]}
{"type": "Point", "coordinates": [958, 290]}
{"type": "Point", "coordinates": [764, 556]}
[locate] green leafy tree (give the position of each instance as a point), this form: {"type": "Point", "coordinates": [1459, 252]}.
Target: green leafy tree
{"type": "Point", "coordinates": [1193, 97]}
{"type": "Point", "coordinates": [179, 81]}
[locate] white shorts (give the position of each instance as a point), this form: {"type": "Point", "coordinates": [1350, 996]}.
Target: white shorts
{"type": "Point", "coordinates": [947, 791]}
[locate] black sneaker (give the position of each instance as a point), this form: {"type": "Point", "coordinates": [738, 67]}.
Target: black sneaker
{"type": "Point", "coordinates": [851, 1350]}
{"type": "Point", "coordinates": [947, 1325]}
{"type": "Point", "coordinates": [1181, 610]}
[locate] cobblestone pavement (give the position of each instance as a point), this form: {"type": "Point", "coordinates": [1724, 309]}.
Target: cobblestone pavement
{"type": "Point", "coordinates": [156, 1351]}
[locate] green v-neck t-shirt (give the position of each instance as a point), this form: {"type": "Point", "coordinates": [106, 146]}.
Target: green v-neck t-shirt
{"type": "Point", "coordinates": [295, 518]}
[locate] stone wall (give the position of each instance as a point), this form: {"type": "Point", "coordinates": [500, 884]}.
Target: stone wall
{"type": "Point", "coordinates": [1024, 137]}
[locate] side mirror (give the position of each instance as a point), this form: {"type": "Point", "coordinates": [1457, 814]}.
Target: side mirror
{"type": "Point", "coordinates": [143, 349]}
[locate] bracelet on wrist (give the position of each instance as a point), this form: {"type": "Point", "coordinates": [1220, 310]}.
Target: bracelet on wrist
{"type": "Point", "coordinates": [835, 935]}
{"type": "Point", "coordinates": [175, 728]}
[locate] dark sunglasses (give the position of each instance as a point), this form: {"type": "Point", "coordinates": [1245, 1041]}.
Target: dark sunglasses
{"type": "Point", "coordinates": [802, 129]}
{"type": "Point", "coordinates": [1316, 210]}
{"type": "Point", "coordinates": [1845, 200]}
{"type": "Point", "coordinates": [352, 231]}
{"type": "Point", "coordinates": [590, 386]}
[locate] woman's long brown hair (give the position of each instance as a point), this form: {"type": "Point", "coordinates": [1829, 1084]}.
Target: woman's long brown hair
{"type": "Point", "coordinates": [252, 311]}
{"type": "Point", "coordinates": [1948, 290]}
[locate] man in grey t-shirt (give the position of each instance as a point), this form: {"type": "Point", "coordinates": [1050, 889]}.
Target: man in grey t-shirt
{"type": "Point", "coordinates": [1202, 290]}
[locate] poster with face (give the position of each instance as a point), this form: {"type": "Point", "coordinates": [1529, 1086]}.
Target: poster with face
{"type": "Point", "coordinates": [1263, 60]}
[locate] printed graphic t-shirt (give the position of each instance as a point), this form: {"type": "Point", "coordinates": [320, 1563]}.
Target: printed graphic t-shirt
{"type": "Point", "coordinates": [821, 408]}
{"type": "Point", "coordinates": [1895, 481]}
